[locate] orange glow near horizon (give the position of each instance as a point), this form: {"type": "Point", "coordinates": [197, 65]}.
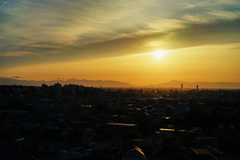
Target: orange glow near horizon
{"type": "Point", "coordinates": [144, 43]}
{"type": "Point", "coordinates": [191, 64]}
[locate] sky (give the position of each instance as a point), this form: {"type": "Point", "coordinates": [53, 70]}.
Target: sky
{"type": "Point", "coordinates": [139, 42]}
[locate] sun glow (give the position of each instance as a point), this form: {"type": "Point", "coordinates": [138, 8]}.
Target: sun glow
{"type": "Point", "coordinates": [159, 54]}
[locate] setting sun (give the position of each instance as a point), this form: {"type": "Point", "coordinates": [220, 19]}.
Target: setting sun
{"type": "Point", "coordinates": [140, 43]}
{"type": "Point", "coordinates": [159, 54]}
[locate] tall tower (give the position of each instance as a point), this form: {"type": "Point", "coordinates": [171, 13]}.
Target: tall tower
{"type": "Point", "coordinates": [197, 88]}
{"type": "Point", "coordinates": [181, 86]}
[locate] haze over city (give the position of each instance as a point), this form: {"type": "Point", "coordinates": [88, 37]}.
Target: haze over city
{"type": "Point", "coordinates": [137, 42]}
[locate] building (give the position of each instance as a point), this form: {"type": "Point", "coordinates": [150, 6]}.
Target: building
{"type": "Point", "coordinates": [134, 154]}
{"type": "Point", "coordinates": [122, 128]}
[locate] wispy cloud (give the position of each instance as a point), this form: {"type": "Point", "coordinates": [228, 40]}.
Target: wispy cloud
{"type": "Point", "coordinates": [225, 15]}
{"type": "Point", "coordinates": [42, 31]}
{"type": "Point", "coordinates": [4, 3]}
{"type": "Point", "coordinates": [213, 16]}
{"type": "Point", "coordinates": [17, 77]}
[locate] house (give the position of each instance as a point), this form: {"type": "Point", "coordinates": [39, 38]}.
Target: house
{"type": "Point", "coordinates": [122, 128]}
{"type": "Point", "coordinates": [134, 154]}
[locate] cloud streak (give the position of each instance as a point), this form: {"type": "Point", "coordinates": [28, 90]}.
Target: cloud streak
{"type": "Point", "coordinates": [53, 31]}
{"type": "Point", "coordinates": [4, 4]}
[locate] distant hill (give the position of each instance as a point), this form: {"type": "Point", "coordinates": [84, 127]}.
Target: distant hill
{"type": "Point", "coordinates": [201, 85]}
{"type": "Point", "coordinates": [87, 83]}
{"type": "Point", "coordinates": [112, 84]}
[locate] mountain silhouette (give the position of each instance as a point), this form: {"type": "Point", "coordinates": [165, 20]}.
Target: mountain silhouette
{"type": "Point", "coordinates": [87, 83]}
{"type": "Point", "coordinates": [112, 84]}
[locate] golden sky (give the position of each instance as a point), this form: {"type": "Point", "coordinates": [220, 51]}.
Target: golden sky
{"type": "Point", "coordinates": [140, 42]}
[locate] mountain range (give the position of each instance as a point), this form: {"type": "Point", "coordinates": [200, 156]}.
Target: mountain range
{"type": "Point", "coordinates": [87, 83]}
{"type": "Point", "coordinates": [111, 84]}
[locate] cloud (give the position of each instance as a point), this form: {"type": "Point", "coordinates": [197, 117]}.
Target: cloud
{"type": "Point", "coordinates": [206, 4]}
{"type": "Point", "coordinates": [51, 31]}
{"type": "Point", "coordinates": [161, 25]}
{"type": "Point", "coordinates": [4, 3]}
{"type": "Point", "coordinates": [17, 54]}
{"type": "Point", "coordinates": [191, 35]}
{"type": "Point", "coordinates": [225, 15]}
{"type": "Point", "coordinates": [197, 19]}
{"type": "Point", "coordinates": [64, 21]}
{"type": "Point", "coordinates": [212, 16]}
{"type": "Point", "coordinates": [13, 77]}
{"type": "Point", "coordinates": [17, 77]}
{"type": "Point", "coordinates": [210, 11]}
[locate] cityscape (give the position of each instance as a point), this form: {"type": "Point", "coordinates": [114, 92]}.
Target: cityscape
{"type": "Point", "coordinates": [69, 122]}
{"type": "Point", "coordinates": [119, 80]}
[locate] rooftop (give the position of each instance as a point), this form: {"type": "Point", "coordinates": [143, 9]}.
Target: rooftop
{"type": "Point", "coordinates": [121, 124]}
